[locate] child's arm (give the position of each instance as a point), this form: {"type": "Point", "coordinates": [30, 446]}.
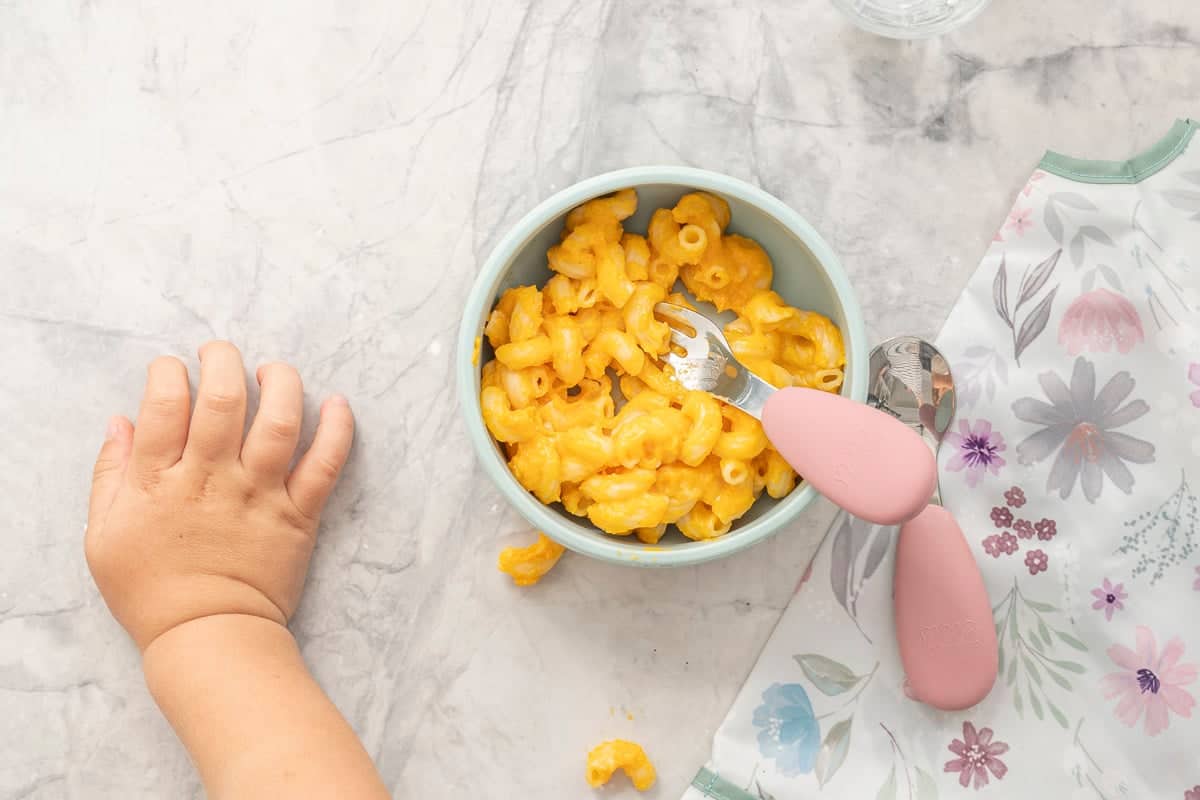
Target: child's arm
{"type": "Point", "coordinates": [200, 544]}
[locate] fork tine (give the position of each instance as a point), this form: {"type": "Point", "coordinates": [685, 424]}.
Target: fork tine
{"type": "Point", "coordinates": [682, 339]}
{"type": "Point", "coordinates": [669, 311]}
{"type": "Point", "coordinates": [686, 316]}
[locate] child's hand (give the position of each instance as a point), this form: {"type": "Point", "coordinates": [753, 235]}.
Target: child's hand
{"type": "Point", "coordinates": [187, 520]}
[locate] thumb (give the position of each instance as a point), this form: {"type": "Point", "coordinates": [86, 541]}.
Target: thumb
{"type": "Point", "coordinates": [109, 469]}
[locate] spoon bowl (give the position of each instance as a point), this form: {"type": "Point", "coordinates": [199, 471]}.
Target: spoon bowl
{"type": "Point", "coordinates": [943, 616]}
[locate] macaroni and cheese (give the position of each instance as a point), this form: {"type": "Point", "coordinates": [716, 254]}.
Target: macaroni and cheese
{"type": "Point", "coordinates": [608, 757]}
{"type": "Point", "coordinates": [654, 454]}
{"type": "Point", "coordinates": [527, 565]}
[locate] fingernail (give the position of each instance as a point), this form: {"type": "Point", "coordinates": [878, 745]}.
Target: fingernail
{"type": "Point", "coordinates": [113, 429]}
{"type": "Point", "coordinates": [338, 400]}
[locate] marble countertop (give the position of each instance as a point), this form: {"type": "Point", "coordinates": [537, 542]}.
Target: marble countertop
{"type": "Point", "coordinates": [319, 181]}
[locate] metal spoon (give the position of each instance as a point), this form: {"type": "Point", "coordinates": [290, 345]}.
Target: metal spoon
{"type": "Point", "coordinates": [943, 616]}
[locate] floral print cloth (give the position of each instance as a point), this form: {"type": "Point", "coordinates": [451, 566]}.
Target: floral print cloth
{"type": "Point", "coordinates": [1073, 467]}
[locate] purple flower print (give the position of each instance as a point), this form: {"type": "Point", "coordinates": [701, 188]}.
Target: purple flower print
{"type": "Point", "coordinates": [1007, 543]}
{"type": "Point", "coordinates": [1015, 497]}
{"type": "Point", "coordinates": [978, 450]}
{"type": "Point", "coordinates": [1020, 220]}
{"type": "Point", "coordinates": [977, 756]}
{"type": "Point", "coordinates": [991, 545]}
{"type": "Point", "coordinates": [1109, 597]}
{"type": "Point", "coordinates": [1150, 681]}
{"type": "Point", "coordinates": [1001, 516]}
{"type": "Point", "coordinates": [1046, 529]}
{"type": "Point", "coordinates": [1024, 528]}
{"type": "Point", "coordinates": [1078, 427]}
{"type": "Point", "coordinates": [1037, 561]}
{"type": "Point", "coordinates": [1194, 377]}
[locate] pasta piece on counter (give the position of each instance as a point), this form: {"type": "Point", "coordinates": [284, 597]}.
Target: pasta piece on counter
{"type": "Point", "coordinates": [527, 565]}
{"type": "Point", "coordinates": [608, 757]}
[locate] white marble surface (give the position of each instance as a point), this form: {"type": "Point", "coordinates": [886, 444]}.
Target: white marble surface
{"type": "Point", "coordinates": [318, 181]}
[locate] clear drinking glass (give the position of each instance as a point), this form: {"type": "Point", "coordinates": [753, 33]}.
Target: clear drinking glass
{"type": "Point", "coordinates": [910, 19]}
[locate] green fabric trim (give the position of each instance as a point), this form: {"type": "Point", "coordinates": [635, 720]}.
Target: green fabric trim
{"type": "Point", "coordinates": [1138, 168]}
{"type": "Point", "coordinates": [716, 787]}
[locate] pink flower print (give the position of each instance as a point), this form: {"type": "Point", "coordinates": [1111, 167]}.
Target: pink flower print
{"type": "Point", "coordinates": [1020, 220]}
{"type": "Point", "coordinates": [1150, 681]}
{"type": "Point", "coordinates": [997, 237]}
{"type": "Point", "coordinates": [1015, 497]}
{"type": "Point", "coordinates": [1046, 529]}
{"type": "Point", "coordinates": [978, 450]}
{"type": "Point", "coordinates": [1109, 597]}
{"type": "Point", "coordinates": [991, 545]}
{"type": "Point", "coordinates": [1001, 516]}
{"type": "Point", "coordinates": [1024, 528]}
{"type": "Point", "coordinates": [977, 756]}
{"type": "Point", "coordinates": [1193, 793]}
{"type": "Point", "coordinates": [1100, 321]}
{"type": "Point", "coordinates": [1194, 377]}
{"type": "Point", "coordinates": [1037, 561]}
{"type": "Point", "coordinates": [1007, 543]}
{"type": "Point", "coordinates": [1034, 178]}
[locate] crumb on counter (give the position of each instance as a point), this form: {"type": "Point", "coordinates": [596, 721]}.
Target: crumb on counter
{"type": "Point", "coordinates": [475, 351]}
{"type": "Point", "coordinates": [608, 757]}
{"type": "Point", "coordinates": [527, 565]}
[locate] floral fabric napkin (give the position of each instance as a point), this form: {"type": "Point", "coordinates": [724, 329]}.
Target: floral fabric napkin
{"type": "Point", "coordinates": [1074, 470]}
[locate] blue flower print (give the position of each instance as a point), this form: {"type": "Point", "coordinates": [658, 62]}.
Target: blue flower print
{"type": "Point", "coordinates": [789, 732]}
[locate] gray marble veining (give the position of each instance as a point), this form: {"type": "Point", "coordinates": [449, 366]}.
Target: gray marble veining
{"type": "Point", "coordinates": [318, 182]}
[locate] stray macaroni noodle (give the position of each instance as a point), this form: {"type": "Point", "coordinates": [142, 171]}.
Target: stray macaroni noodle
{"type": "Point", "coordinates": [668, 456]}
{"type": "Point", "coordinates": [527, 565]}
{"type": "Point", "coordinates": [608, 757]}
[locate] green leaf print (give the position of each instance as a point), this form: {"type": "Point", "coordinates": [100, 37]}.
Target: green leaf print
{"type": "Point", "coordinates": [1096, 235]}
{"type": "Point", "coordinates": [1044, 632]}
{"type": "Point", "coordinates": [831, 677]}
{"type": "Point", "coordinates": [1058, 715]}
{"type": "Point", "coordinates": [833, 750]}
{"type": "Point", "coordinates": [1026, 634]}
{"type": "Point", "coordinates": [1038, 606]}
{"type": "Point", "coordinates": [1053, 222]}
{"type": "Point", "coordinates": [1059, 679]}
{"type": "Point", "coordinates": [1036, 704]}
{"type": "Point", "coordinates": [1034, 674]}
{"type": "Point", "coordinates": [1072, 641]}
{"type": "Point", "coordinates": [888, 790]}
{"type": "Point", "coordinates": [926, 788]}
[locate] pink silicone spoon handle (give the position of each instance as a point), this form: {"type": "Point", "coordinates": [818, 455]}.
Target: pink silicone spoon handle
{"type": "Point", "coordinates": [865, 461]}
{"type": "Point", "coordinates": [943, 616]}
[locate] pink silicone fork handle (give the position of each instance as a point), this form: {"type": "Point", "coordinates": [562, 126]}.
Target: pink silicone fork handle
{"type": "Point", "coordinates": [870, 464]}
{"type": "Point", "coordinates": [943, 616]}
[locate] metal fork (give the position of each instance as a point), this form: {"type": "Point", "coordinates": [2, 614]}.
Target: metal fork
{"type": "Point", "coordinates": [710, 365]}
{"type": "Point", "coordinates": [865, 461]}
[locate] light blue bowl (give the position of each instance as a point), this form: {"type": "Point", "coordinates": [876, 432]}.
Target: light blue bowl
{"type": "Point", "coordinates": [807, 275]}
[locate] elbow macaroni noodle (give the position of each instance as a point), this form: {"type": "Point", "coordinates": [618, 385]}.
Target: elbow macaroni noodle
{"type": "Point", "coordinates": [668, 456]}
{"type": "Point", "coordinates": [606, 758]}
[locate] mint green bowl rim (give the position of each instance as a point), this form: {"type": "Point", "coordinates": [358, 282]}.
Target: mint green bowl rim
{"type": "Point", "coordinates": [483, 292]}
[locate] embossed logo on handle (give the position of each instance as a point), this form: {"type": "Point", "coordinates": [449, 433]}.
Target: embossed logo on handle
{"type": "Point", "coordinates": [950, 635]}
